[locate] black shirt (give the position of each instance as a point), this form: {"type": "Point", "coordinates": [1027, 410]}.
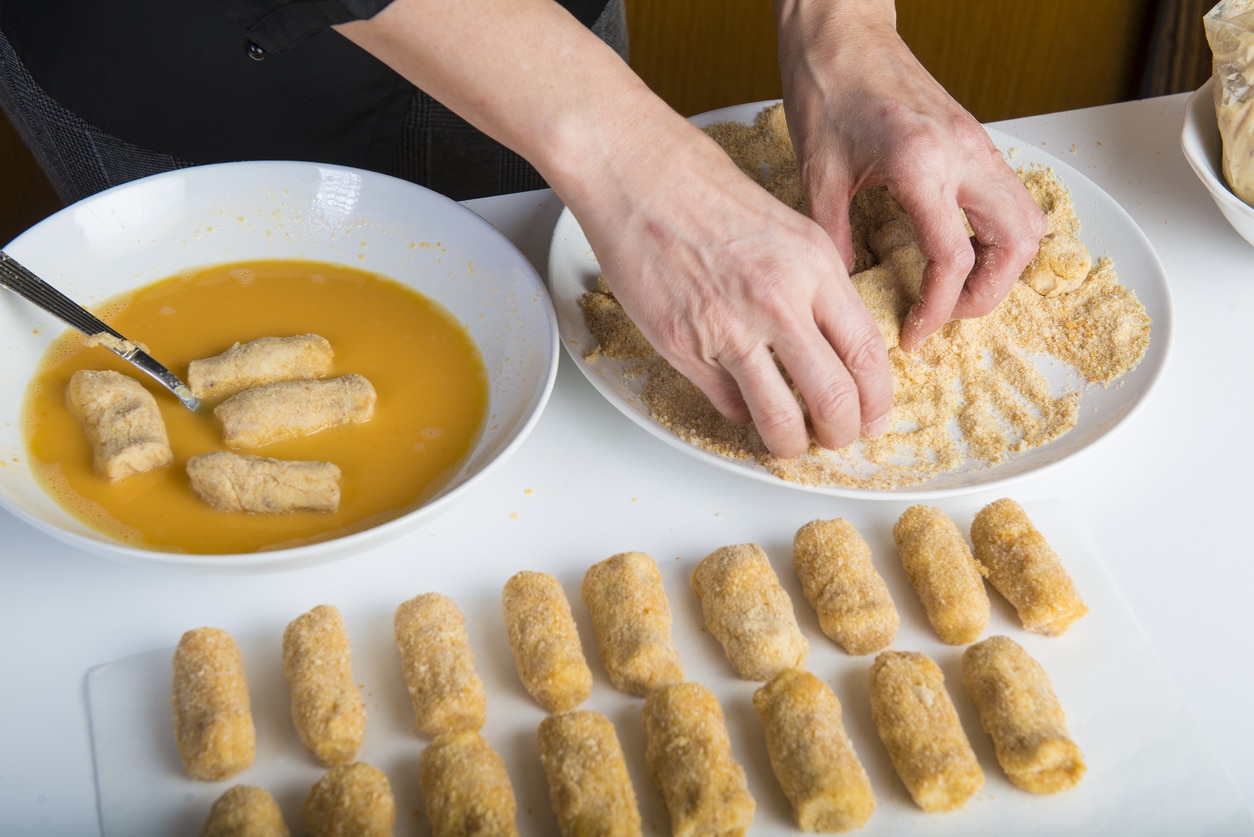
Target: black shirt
{"type": "Point", "coordinates": [217, 80]}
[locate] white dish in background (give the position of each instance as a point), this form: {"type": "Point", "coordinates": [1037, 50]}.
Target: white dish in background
{"type": "Point", "coordinates": [1107, 230]}
{"type": "Point", "coordinates": [1203, 148]}
{"type": "Point", "coordinates": [140, 232]}
{"type": "Point", "coordinates": [1150, 771]}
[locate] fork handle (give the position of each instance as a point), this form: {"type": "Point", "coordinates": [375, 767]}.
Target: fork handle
{"type": "Point", "coordinates": [17, 278]}
{"type": "Point", "coordinates": [25, 284]}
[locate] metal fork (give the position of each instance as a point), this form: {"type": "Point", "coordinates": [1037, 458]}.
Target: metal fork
{"type": "Point", "coordinates": [21, 281]}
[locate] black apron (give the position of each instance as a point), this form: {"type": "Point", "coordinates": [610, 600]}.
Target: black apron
{"type": "Point", "coordinates": [104, 93]}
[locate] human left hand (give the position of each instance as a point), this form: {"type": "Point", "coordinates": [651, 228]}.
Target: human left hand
{"type": "Point", "coordinates": [862, 111]}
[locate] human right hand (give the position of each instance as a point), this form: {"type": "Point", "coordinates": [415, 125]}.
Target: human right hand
{"type": "Point", "coordinates": [723, 279]}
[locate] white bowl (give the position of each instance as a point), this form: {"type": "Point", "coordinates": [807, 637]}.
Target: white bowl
{"type": "Point", "coordinates": [152, 228]}
{"type": "Point", "coordinates": [1203, 147]}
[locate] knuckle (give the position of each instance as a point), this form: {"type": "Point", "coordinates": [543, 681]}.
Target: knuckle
{"type": "Point", "coordinates": [972, 135]}
{"type": "Point", "coordinates": [955, 254]}
{"type": "Point", "coordinates": [833, 402]}
{"type": "Point", "coordinates": [776, 420]}
{"type": "Point", "coordinates": [782, 289]}
{"type": "Point", "coordinates": [1038, 221]}
{"type": "Point", "coordinates": [866, 352]}
{"type": "Point", "coordinates": [782, 427]}
{"type": "Point", "coordinates": [696, 338]}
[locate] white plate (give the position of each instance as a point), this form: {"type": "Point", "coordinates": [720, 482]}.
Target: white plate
{"type": "Point", "coordinates": [137, 233]}
{"type": "Point", "coordinates": [1106, 229]}
{"type": "Point", "coordinates": [1150, 771]}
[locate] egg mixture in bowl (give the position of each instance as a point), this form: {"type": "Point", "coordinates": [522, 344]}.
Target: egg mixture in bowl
{"type": "Point", "coordinates": [447, 321]}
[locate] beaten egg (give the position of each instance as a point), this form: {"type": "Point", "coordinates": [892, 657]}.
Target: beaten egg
{"type": "Point", "coordinates": [430, 378]}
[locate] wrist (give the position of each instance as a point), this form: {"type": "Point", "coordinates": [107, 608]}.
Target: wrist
{"type": "Point", "coordinates": [611, 163]}
{"type": "Point", "coordinates": [823, 36]}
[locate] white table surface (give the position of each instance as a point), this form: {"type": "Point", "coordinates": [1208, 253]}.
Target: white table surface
{"type": "Point", "coordinates": [1162, 499]}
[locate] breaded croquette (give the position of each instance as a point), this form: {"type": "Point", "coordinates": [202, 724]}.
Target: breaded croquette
{"type": "Point", "coordinates": [439, 665]}
{"type": "Point", "coordinates": [919, 726]}
{"type": "Point", "coordinates": [273, 412]}
{"type": "Point", "coordinates": [245, 811]}
{"type": "Point", "coordinates": [326, 707]}
{"type": "Point", "coordinates": [1061, 265]}
{"type": "Point", "coordinates": [589, 785]}
{"type": "Point", "coordinates": [213, 720]}
{"type": "Point", "coordinates": [545, 641]}
{"type": "Point", "coordinates": [1020, 711]}
{"type": "Point", "coordinates": [122, 421]}
{"type": "Point", "coordinates": [351, 800]}
{"type": "Point", "coordinates": [261, 361]}
{"type": "Point", "coordinates": [853, 604]}
{"type": "Point", "coordinates": [1024, 568]}
{"type": "Point", "coordinates": [690, 759]}
{"type": "Point", "coordinates": [749, 612]}
{"type": "Point", "coordinates": [466, 788]}
{"type": "Point", "coordinates": [632, 622]}
{"type": "Point", "coordinates": [946, 577]}
{"type": "Point", "coordinates": [811, 754]}
{"type": "Point", "coordinates": [237, 482]}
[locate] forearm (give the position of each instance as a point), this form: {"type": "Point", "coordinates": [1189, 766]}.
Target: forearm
{"type": "Point", "coordinates": [529, 75]}
{"type": "Point", "coordinates": [721, 278]}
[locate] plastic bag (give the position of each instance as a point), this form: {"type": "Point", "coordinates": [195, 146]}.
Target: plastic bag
{"type": "Point", "coordinates": [1230, 33]}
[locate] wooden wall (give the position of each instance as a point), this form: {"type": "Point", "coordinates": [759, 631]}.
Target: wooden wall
{"type": "Point", "coordinates": [1003, 60]}
{"type": "Point", "coordinates": [700, 55]}
{"type": "Point", "coordinates": [999, 59]}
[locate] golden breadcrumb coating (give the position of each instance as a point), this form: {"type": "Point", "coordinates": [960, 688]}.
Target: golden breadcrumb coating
{"type": "Point", "coordinates": [589, 786]}
{"type": "Point", "coordinates": [466, 788]}
{"type": "Point", "coordinates": [237, 482]}
{"type": "Point", "coordinates": [326, 707]}
{"type": "Point", "coordinates": [122, 422]}
{"type": "Point", "coordinates": [811, 754]}
{"type": "Point", "coordinates": [946, 577]}
{"type": "Point", "coordinates": [245, 811]}
{"type": "Point", "coordinates": [1025, 569]}
{"type": "Point", "coordinates": [1020, 711]}
{"type": "Point", "coordinates": [261, 361]}
{"type": "Point", "coordinates": [840, 582]}
{"type": "Point", "coordinates": [545, 641]}
{"type": "Point", "coordinates": [213, 720]}
{"type": "Point", "coordinates": [749, 612]}
{"type": "Point", "coordinates": [439, 665]}
{"type": "Point", "coordinates": [919, 726]}
{"type": "Point", "coordinates": [632, 622]}
{"type": "Point", "coordinates": [690, 759]}
{"type": "Point", "coordinates": [351, 800]}
{"type": "Point", "coordinates": [1061, 265]}
{"type": "Point", "coordinates": [273, 412]}
{"type": "Point", "coordinates": [1053, 197]}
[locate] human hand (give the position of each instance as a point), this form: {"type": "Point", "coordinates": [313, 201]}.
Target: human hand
{"type": "Point", "coordinates": [863, 112]}
{"type": "Point", "coordinates": [722, 279]}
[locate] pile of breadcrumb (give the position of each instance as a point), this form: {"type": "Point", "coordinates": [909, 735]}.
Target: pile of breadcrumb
{"type": "Point", "coordinates": [974, 395]}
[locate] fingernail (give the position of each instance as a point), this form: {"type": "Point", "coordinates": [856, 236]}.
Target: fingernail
{"type": "Point", "coordinates": [877, 426]}
{"type": "Point", "coordinates": [909, 340]}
